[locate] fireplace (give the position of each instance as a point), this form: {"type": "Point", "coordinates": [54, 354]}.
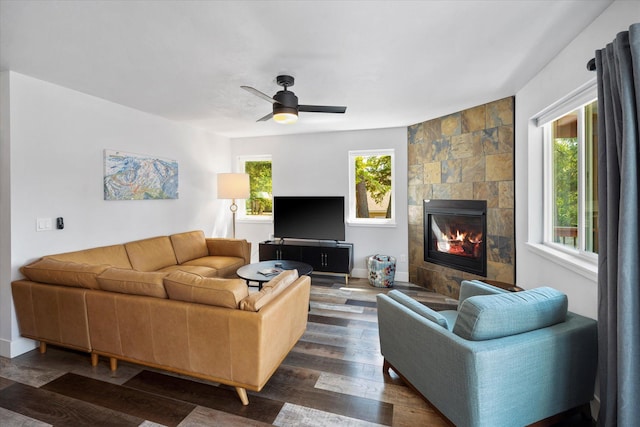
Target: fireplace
{"type": "Point", "coordinates": [455, 234]}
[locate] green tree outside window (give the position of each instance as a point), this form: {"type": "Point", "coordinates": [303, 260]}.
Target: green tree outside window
{"type": "Point", "coordinates": [565, 152]}
{"type": "Point", "coordinates": [373, 186]}
{"type": "Point", "coordinates": [260, 201]}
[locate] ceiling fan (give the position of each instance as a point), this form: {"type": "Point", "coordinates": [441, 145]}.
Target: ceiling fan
{"type": "Point", "coordinates": [285, 103]}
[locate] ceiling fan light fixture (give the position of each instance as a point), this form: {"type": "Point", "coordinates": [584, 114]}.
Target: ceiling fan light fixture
{"type": "Point", "coordinates": [285, 103]}
{"type": "Point", "coordinates": [285, 115]}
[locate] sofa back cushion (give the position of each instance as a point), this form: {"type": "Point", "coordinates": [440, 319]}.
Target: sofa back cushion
{"type": "Point", "coordinates": [114, 255]}
{"type": "Point", "coordinates": [486, 317]}
{"type": "Point", "coordinates": [269, 291]}
{"type": "Point", "coordinates": [126, 281]}
{"type": "Point", "coordinates": [66, 273]}
{"type": "Point", "coordinates": [151, 254]}
{"type": "Point", "coordinates": [190, 287]}
{"type": "Point", "coordinates": [189, 245]}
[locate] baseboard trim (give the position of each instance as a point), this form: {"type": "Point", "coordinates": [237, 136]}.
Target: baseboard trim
{"type": "Point", "coordinates": [363, 273]}
{"type": "Point", "coordinates": [11, 349]}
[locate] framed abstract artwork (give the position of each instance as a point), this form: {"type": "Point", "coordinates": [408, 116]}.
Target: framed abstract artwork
{"type": "Point", "coordinates": [129, 176]}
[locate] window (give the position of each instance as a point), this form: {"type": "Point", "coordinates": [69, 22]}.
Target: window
{"type": "Point", "coordinates": [371, 187]}
{"type": "Point", "coordinates": [571, 178]}
{"type": "Point", "coordinates": [259, 205]}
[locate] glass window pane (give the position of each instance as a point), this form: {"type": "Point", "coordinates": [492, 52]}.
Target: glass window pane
{"type": "Point", "coordinates": [565, 179]}
{"type": "Point", "coordinates": [373, 186]}
{"type": "Point", "coordinates": [260, 201]}
{"type": "Point", "coordinates": [591, 177]}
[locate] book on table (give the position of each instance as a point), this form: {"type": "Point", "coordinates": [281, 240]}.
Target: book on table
{"type": "Point", "coordinates": [270, 271]}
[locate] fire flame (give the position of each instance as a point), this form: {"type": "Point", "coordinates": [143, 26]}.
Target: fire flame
{"type": "Point", "coordinates": [460, 243]}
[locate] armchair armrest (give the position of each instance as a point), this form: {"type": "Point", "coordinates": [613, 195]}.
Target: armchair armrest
{"type": "Point", "coordinates": [240, 248]}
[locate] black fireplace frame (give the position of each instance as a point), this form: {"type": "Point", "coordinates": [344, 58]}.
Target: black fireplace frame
{"type": "Point", "coordinates": [474, 208]}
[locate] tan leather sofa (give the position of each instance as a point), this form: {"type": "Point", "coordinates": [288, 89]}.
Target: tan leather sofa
{"type": "Point", "coordinates": [169, 302]}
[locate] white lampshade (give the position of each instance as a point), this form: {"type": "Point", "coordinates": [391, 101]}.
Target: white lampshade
{"type": "Point", "coordinates": [233, 186]}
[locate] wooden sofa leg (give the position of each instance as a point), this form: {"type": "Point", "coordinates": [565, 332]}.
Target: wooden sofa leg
{"type": "Point", "coordinates": [385, 367]}
{"type": "Point", "coordinates": [113, 363]}
{"type": "Point", "coordinates": [43, 347]}
{"type": "Point", "coordinates": [94, 360]}
{"type": "Point", "coordinates": [242, 393]}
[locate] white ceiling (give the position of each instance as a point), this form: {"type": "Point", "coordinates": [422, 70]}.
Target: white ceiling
{"type": "Point", "coordinates": [392, 63]}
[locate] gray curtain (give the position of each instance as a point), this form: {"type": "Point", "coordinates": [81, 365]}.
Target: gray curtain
{"type": "Point", "coordinates": [618, 70]}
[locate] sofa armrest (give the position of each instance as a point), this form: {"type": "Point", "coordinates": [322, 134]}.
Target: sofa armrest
{"type": "Point", "coordinates": [240, 248]}
{"type": "Point", "coordinates": [259, 350]}
{"type": "Point", "coordinates": [468, 381]}
{"type": "Point", "coordinates": [52, 314]}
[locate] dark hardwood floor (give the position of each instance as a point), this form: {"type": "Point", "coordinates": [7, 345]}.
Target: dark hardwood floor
{"type": "Point", "coordinates": [332, 377]}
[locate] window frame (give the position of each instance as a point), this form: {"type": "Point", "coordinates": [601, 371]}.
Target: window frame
{"type": "Point", "coordinates": [376, 222]}
{"type": "Point", "coordinates": [577, 101]}
{"type": "Point", "coordinates": [241, 214]}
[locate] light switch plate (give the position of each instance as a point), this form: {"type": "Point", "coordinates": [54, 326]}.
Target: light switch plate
{"type": "Point", "coordinates": [44, 224]}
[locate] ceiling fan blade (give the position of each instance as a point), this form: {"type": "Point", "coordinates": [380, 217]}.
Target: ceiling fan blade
{"type": "Point", "coordinates": [321, 109]}
{"type": "Point", "coordinates": [258, 93]}
{"type": "Point", "coordinates": [265, 118]}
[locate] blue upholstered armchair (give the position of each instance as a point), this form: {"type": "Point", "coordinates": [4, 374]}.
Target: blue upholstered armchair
{"type": "Point", "coordinates": [501, 359]}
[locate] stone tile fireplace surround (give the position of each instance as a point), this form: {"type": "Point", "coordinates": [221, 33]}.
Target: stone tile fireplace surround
{"type": "Point", "coordinates": [468, 155]}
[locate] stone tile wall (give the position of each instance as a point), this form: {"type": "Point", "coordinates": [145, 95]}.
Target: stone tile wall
{"type": "Point", "coordinates": [465, 155]}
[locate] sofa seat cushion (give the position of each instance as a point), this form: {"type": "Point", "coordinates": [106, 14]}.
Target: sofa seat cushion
{"type": "Point", "coordinates": [485, 317]}
{"type": "Point", "coordinates": [269, 291]}
{"type": "Point", "coordinates": [195, 269]}
{"type": "Point", "coordinates": [191, 287]}
{"type": "Point", "coordinates": [151, 254]}
{"type": "Point", "coordinates": [419, 308]}
{"type": "Point", "coordinates": [226, 266]}
{"type": "Point", "coordinates": [149, 283]}
{"type": "Point", "coordinates": [189, 245]}
{"type": "Point", "coordinates": [65, 273]}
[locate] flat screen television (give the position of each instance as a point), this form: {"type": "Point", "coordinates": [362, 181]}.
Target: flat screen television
{"type": "Point", "coordinates": [308, 217]}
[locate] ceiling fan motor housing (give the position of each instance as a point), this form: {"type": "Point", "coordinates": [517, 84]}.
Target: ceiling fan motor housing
{"type": "Point", "coordinates": [285, 99]}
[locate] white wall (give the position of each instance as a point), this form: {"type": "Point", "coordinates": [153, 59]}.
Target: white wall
{"type": "Point", "coordinates": [561, 76]}
{"type": "Point", "coordinates": [317, 165]}
{"type": "Point", "coordinates": [55, 140]}
{"type": "Point", "coordinates": [5, 214]}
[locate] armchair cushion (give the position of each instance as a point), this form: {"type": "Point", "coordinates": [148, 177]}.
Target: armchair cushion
{"type": "Point", "coordinates": [418, 308]}
{"type": "Point", "coordinates": [470, 288]}
{"type": "Point", "coordinates": [486, 317]}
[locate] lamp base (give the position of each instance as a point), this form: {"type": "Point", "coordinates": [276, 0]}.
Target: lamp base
{"type": "Point", "coordinates": [234, 209]}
